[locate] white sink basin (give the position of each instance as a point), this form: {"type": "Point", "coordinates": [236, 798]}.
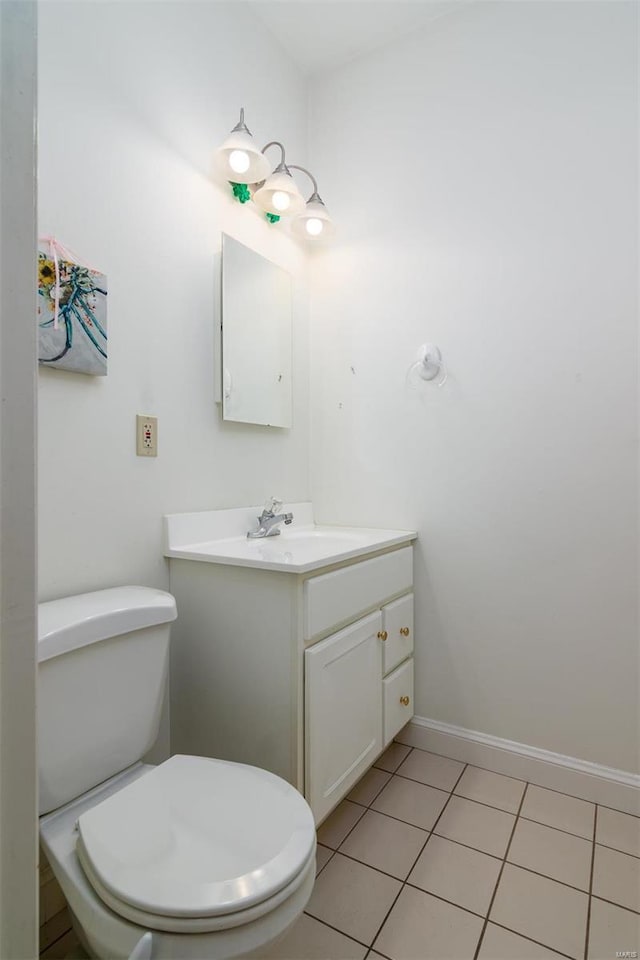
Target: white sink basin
{"type": "Point", "coordinates": [301, 546]}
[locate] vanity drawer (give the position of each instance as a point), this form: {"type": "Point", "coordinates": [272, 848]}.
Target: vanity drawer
{"type": "Point", "coordinates": [398, 700]}
{"type": "Point", "coordinates": [397, 622]}
{"type": "Point", "coordinates": [342, 595]}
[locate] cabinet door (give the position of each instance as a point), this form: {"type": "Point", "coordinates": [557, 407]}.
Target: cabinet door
{"type": "Point", "coordinates": [397, 621]}
{"type": "Point", "coordinates": [398, 699]}
{"type": "Point", "coordinates": [343, 711]}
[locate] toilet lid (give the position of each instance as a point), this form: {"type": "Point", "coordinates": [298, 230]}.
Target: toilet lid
{"type": "Point", "coordinates": [198, 837]}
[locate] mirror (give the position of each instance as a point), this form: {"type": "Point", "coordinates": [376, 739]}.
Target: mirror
{"type": "Point", "coordinates": [256, 337]}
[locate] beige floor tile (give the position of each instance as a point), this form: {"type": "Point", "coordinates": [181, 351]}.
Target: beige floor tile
{"type": "Point", "coordinates": [368, 788]}
{"type": "Point", "coordinates": [542, 910]}
{"type": "Point", "coordinates": [476, 825]}
{"type": "Point", "coordinates": [311, 940]}
{"type": "Point", "coordinates": [338, 824]}
{"type": "Point", "coordinates": [432, 769]}
{"type": "Point", "coordinates": [449, 870]}
{"type": "Point", "coordinates": [393, 756]}
{"type": "Point", "coordinates": [616, 876]}
{"type": "Point", "coordinates": [618, 830]}
{"type": "Point", "coordinates": [385, 843]}
{"type": "Point", "coordinates": [415, 803]}
{"type": "Point", "coordinates": [612, 930]}
{"type": "Point", "coordinates": [557, 810]}
{"type": "Point", "coordinates": [499, 944]}
{"type": "Point", "coordinates": [323, 855]}
{"type": "Point", "coordinates": [492, 788]}
{"type": "Point", "coordinates": [352, 897]}
{"type": "Point", "coordinates": [421, 927]}
{"type": "Point", "coordinates": [554, 853]}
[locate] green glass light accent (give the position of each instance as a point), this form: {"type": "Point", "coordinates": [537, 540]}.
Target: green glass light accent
{"type": "Point", "coordinates": [241, 191]}
{"type": "Point", "coordinates": [272, 217]}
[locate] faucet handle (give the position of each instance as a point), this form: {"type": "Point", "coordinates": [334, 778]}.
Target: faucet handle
{"type": "Point", "coordinates": [273, 505]}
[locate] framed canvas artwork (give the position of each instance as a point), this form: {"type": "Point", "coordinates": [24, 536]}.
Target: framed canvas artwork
{"type": "Point", "coordinates": [72, 313]}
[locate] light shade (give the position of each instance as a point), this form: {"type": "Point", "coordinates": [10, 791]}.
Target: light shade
{"type": "Point", "coordinates": [314, 223]}
{"type": "Point", "coordinates": [239, 160]}
{"type": "Point", "coordinates": [279, 194]}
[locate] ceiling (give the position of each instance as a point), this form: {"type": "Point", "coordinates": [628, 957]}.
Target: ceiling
{"type": "Point", "coordinates": [319, 35]}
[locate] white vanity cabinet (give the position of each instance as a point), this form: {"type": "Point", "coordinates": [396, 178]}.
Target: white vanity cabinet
{"type": "Point", "coordinates": [307, 675]}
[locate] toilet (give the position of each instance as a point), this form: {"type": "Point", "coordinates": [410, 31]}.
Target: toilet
{"type": "Point", "coordinates": [193, 859]}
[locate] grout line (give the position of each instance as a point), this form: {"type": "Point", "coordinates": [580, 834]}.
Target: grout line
{"type": "Point", "coordinates": [430, 785]}
{"type": "Point", "coordinates": [329, 859]}
{"type": "Point", "coordinates": [438, 896]}
{"type": "Point", "coordinates": [504, 860]}
{"type": "Point", "coordinates": [373, 799]}
{"type": "Point", "coordinates": [620, 906]}
{"type": "Point", "coordinates": [636, 913]}
{"type": "Point", "coordinates": [593, 861]}
{"type": "Point", "coordinates": [384, 873]}
{"type": "Point", "coordinates": [363, 808]}
{"type": "Point", "coordinates": [531, 940]}
{"type": "Point", "coordinates": [636, 816]}
{"type": "Point", "coordinates": [411, 749]}
{"type": "Point", "coordinates": [53, 942]}
{"type": "Point", "coordinates": [403, 884]}
{"type": "Point", "coordinates": [623, 853]}
{"type": "Point", "coordinates": [337, 929]}
{"type": "Point", "coordinates": [546, 876]}
{"type": "Point", "coordinates": [559, 829]}
{"type": "Point", "coordinates": [618, 850]}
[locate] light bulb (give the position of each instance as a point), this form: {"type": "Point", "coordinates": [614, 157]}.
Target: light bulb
{"type": "Point", "coordinates": [314, 226]}
{"type": "Point", "coordinates": [239, 161]}
{"type": "Point", "coordinates": [280, 199]}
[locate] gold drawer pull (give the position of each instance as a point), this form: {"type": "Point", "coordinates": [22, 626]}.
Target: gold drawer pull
{"type": "Point", "coordinates": [382, 634]}
{"type": "Point", "coordinates": [404, 631]}
{"type": "Point", "coordinates": [404, 701]}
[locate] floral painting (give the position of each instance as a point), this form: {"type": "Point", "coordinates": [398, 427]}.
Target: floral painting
{"type": "Point", "coordinates": [72, 315]}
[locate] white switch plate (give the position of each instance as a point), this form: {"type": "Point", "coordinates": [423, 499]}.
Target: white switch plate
{"type": "Point", "coordinates": [146, 436]}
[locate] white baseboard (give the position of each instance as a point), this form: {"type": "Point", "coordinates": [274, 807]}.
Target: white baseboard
{"type": "Point", "coordinates": [579, 778]}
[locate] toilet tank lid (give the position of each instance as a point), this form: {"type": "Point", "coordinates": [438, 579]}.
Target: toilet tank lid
{"type": "Point", "coordinates": [73, 622]}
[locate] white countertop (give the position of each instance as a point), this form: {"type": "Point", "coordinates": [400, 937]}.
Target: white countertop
{"type": "Point", "coordinates": [302, 546]}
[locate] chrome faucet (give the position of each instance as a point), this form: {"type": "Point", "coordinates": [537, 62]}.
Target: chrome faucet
{"type": "Point", "coordinates": [269, 519]}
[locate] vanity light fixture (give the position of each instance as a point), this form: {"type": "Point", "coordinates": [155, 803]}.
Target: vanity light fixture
{"type": "Point", "coordinates": [279, 194]}
{"type": "Point", "coordinates": [238, 159]}
{"type": "Point", "coordinates": [248, 171]}
{"type": "Point", "coordinates": [314, 221]}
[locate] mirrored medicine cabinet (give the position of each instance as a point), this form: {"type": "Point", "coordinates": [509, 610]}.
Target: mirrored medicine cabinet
{"type": "Point", "coordinates": [256, 338]}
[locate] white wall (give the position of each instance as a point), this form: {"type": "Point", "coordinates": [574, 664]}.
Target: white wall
{"type": "Point", "coordinates": [18, 783]}
{"type": "Point", "coordinates": [134, 98]}
{"type": "Point", "coordinates": [483, 175]}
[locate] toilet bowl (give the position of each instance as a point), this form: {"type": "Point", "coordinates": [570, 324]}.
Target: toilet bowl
{"type": "Point", "coordinates": [194, 858]}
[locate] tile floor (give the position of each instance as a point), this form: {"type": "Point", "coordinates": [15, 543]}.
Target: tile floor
{"type": "Point", "coordinates": [431, 859]}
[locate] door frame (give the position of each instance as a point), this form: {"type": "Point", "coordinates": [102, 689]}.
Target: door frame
{"type": "Point", "coordinates": [18, 382]}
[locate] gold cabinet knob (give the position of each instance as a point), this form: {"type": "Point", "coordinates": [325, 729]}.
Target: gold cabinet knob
{"type": "Point", "coordinates": [404, 631]}
{"type": "Point", "coordinates": [382, 634]}
{"type": "Point", "coordinates": [404, 701]}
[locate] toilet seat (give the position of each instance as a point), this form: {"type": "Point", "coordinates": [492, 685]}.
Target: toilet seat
{"type": "Point", "coordinates": [197, 845]}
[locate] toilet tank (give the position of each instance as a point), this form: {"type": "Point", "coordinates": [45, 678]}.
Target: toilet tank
{"type": "Point", "coordinates": [102, 670]}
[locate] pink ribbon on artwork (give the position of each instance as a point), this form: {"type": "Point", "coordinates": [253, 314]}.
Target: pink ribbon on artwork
{"type": "Point", "coordinates": [56, 247]}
